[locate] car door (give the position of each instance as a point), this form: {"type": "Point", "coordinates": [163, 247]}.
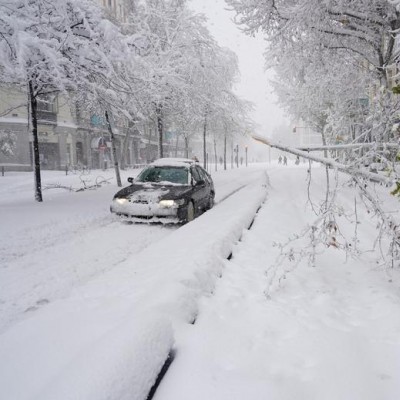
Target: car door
{"type": "Point", "coordinates": [207, 177]}
{"type": "Point", "coordinates": [200, 189]}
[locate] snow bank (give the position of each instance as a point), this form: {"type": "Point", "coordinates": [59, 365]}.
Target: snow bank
{"type": "Point", "coordinates": [66, 353]}
{"type": "Point", "coordinates": [109, 339]}
{"type": "Point", "coordinates": [326, 332]}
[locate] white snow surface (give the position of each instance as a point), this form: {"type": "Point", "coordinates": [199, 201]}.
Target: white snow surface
{"type": "Point", "coordinates": [90, 306]}
{"type": "Point", "coordinates": [108, 335]}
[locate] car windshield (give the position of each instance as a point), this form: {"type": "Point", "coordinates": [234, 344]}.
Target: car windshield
{"type": "Point", "coordinates": [178, 175]}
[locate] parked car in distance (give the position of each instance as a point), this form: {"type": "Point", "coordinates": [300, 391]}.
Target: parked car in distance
{"type": "Point", "coordinates": [169, 190]}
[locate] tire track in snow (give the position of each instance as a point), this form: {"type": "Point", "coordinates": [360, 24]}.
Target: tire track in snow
{"type": "Point", "coordinates": [172, 354]}
{"type": "Point", "coordinates": [47, 276]}
{"type": "Point", "coordinates": [50, 233]}
{"type": "Point", "coordinates": [231, 193]}
{"type": "Point", "coordinates": [34, 280]}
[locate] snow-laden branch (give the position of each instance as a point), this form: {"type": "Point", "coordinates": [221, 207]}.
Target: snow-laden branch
{"type": "Point", "coordinates": [350, 146]}
{"type": "Point", "coordinates": [328, 162]}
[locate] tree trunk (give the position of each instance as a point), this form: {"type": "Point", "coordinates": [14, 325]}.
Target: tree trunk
{"type": "Point", "coordinates": [204, 141]}
{"type": "Point", "coordinates": [215, 155]}
{"type": "Point", "coordinates": [160, 129]}
{"type": "Point", "coordinates": [326, 170]}
{"type": "Point", "coordinates": [36, 157]}
{"type": "Point", "coordinates": [186, 146]}
{"type": "Point", "coordinates": [125, 145]}
{"type": "Point", "coordinates": [232, 156]}
{"type": "Point", "coordinates": [149, 153]}
{"type": "Point", "coordinates": [225, 152]}
{"type": "Point", "coordinates": [114, 151]}
{"type": "Point", "coordinates": [324, 142]}
{"type": "Point", "coordinates": [177, 144]}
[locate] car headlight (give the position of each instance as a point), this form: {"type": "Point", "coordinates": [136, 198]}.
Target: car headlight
{"type": "Point", "coordinates": [121, 200]}
{"type": "Point", "coordinates": [171, 203]}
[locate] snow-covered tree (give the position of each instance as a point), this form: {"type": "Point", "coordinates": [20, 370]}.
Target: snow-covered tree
{"type": "Point", "coordinates": [51, 47]}
{"type": "Point", "coordinates": [181, 76]}
{"type": "Point", "coordinates": [162, 31]}
{"type": "Point", "coordinates": [365, 29]}
{"type": "Point", "coordinates": [213, 75]}
{"type": "Point", "coordinates": [330, 59]}
{"type": "Point", "coordinates": [336, 65]}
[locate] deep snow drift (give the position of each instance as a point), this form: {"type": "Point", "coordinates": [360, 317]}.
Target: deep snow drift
{"type": "Point", "coordinates": [91, 307]}
{"type": "Point", "coordinates": [281, 331]}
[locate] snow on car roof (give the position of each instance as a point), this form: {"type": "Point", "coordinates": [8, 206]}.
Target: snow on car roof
{"type": "Point", "coordinates": [173, 162]}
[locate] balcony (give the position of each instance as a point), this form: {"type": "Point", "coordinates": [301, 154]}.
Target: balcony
{"type": "Point", "coordinates": [45, 117]}
{"type": "Point", "coordinates": [47, 109]}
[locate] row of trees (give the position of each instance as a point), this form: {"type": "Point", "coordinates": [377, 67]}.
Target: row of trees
{"type": "Point", "coordinates": [336, 70]}
{"type": "Point", "coordinates": [160, 66]}
{"type": "Point", "coordinates": [335, 62]}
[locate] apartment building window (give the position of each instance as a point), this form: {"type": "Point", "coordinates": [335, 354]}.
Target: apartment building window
{"type": "Point", "coordinates": [47, 109]}
{"type": "Point", "coordinates": [392, 74]}
{"type": "Point", "coordinates": [48, 103]}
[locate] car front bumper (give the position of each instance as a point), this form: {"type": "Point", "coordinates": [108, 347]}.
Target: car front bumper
{"type": "Point", "coordinates": [149, 212]}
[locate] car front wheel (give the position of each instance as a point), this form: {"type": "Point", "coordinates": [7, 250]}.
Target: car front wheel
{"type": "Point", "coordinates": [210, 204]}
{"type": "Point", "coordinates": [190, 212]}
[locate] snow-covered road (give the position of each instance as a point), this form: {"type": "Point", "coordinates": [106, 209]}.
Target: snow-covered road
{"type": "Point", "coordinates": [143, 292]}
{"type": "Point", "coordinates": [48, 249]}
{"type": "Point", "coordinates": [263, 329]}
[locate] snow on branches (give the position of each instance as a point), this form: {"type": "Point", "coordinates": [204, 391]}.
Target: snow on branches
{"type": "Point", "coordinates": [159, 67]}
{"type": "Point", "coordinates": [336, 70]}
{"type": "Point", "coordinates": [330, 57]}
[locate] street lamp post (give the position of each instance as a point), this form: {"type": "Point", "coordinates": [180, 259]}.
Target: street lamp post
{"type": "Point", "coordinates": [237, 156]}
{"type": "Point", "coordinates": [246, 154]}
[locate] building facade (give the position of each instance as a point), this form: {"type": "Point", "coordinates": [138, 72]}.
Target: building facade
{"type": "Point", "coordinates": [67, 136]}
{"type": "Point", "coordinates": [70, 136]}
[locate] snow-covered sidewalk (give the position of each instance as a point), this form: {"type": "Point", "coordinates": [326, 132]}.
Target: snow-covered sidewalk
{"type": "Point", "coordinates": [281, 332]}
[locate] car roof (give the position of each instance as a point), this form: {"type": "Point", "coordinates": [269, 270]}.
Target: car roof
{"type": "Point", "coordinates": [173, 162]}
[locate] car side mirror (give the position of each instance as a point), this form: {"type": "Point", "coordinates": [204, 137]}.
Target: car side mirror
{"type": "Point", "coordinates": [130, 180]}
{"type": "Point", "coordinates": [201, 182]}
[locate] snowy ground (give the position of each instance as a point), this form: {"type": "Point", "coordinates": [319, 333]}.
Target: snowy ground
{"type": "Point", "coordinates": [326, 332]}
{"type": "Point", "coordinates": [90, 307]}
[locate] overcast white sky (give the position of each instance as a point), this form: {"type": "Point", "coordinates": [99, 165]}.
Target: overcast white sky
{"type": "Point", "coordinates": [254, 84]}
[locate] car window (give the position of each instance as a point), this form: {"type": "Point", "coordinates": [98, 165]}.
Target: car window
{"type": "Point", "coordinates": [204, 175]}
{"type": "Point", "coordinates": [156, 174]}
{"type": "Point", "coordinates": [195, 174]}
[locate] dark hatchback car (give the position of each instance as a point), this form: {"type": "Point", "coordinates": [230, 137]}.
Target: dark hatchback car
{"type": "Point", "coordinates": [170, 190]}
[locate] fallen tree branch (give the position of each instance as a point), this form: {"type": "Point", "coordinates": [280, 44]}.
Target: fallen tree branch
{"type": "Point", "coordinates": [100, 180]}
{"type": "Point", "coordinates": [328, 162]}
{"type": "Point", "coordinates": [326, 231]}
{"type": "Point", "coordinates": [350, 146]}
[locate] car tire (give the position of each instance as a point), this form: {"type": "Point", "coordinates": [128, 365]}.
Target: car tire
{"type": "Point", "coordinates": [190, 212]}
{"type": "Point", "coordinates": [210, 204]}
